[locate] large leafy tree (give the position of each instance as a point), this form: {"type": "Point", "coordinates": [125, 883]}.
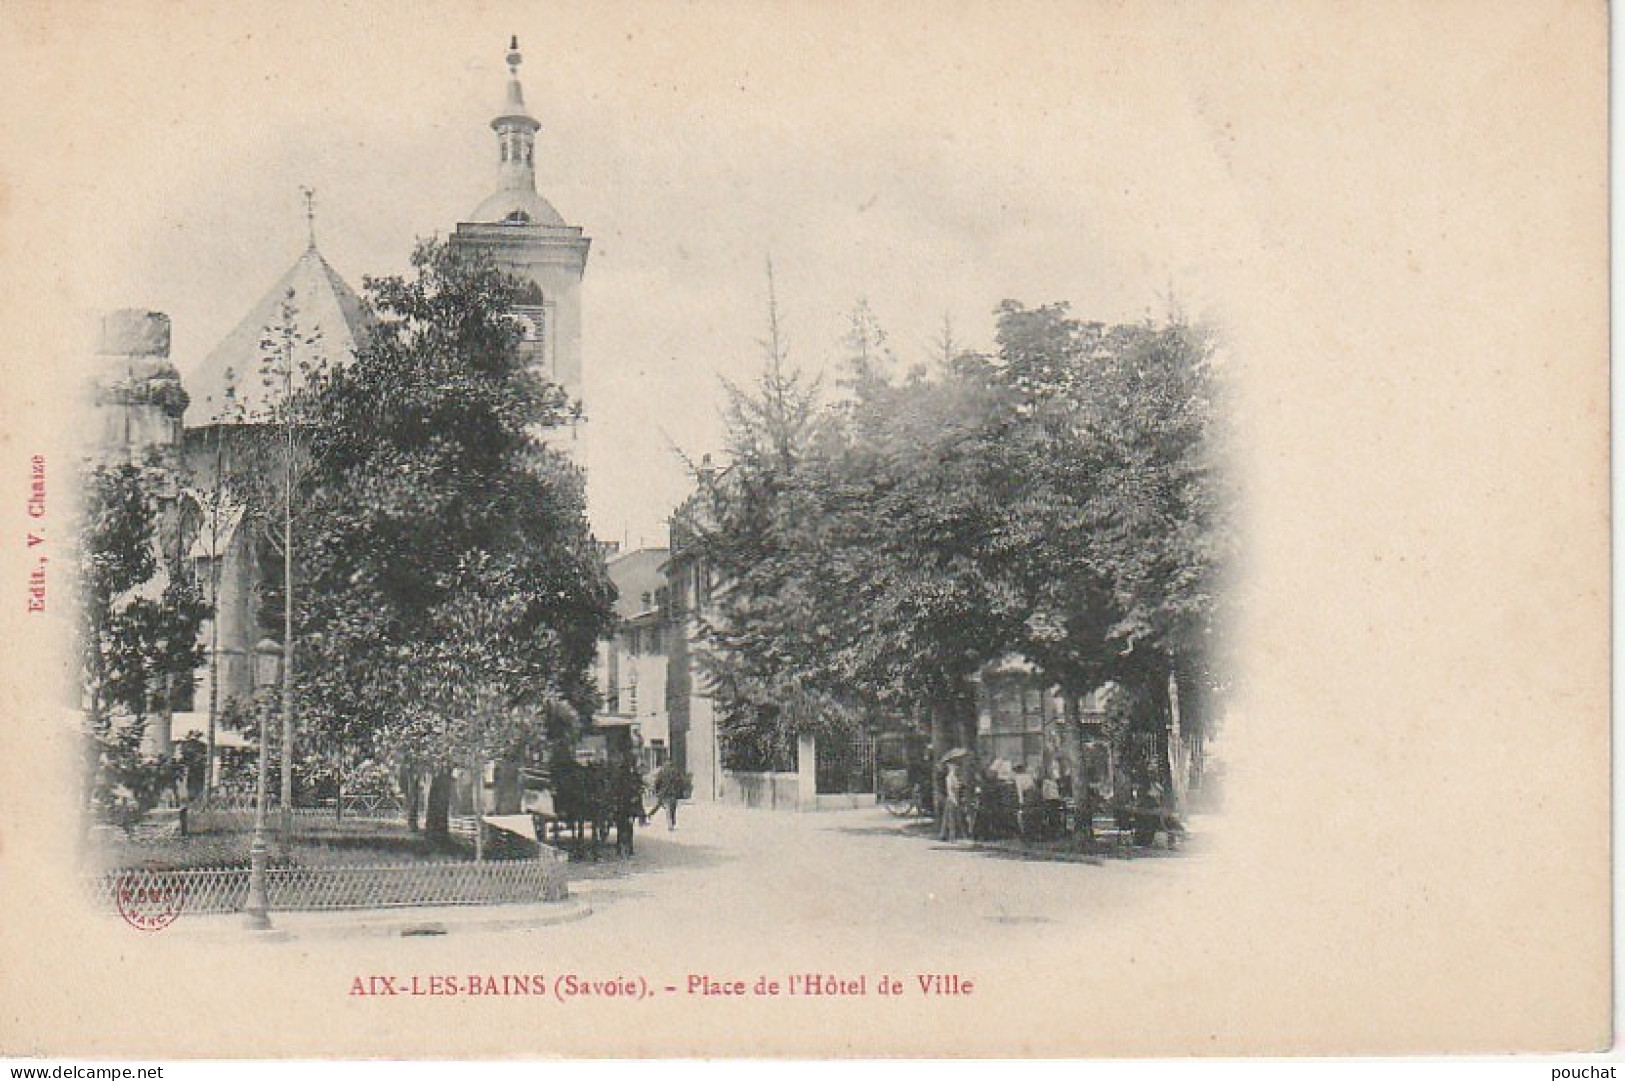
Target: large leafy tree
{"type": "Point", "coordinates": [452, 595]}
{"type": "Point", "coordinates": [857, 541]}
{"type": "Point", "coordinates": [137, 630]}
{"type": "Point", "coordinates": [919, 496]}
{"type": "Point", "coordinates": [1059, 499]}
{"type": "Point", "coordinates": [1124, 514]}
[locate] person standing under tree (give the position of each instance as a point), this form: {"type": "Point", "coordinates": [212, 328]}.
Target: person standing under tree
{"type": "Point", "coordinates": [671, 785]}
{"type": "Point", "coordinates": [953, 808]}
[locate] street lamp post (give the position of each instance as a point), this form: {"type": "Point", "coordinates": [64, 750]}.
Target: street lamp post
{"type": "Point", "coordinates": [267, 659]}
{"type": "Point", "coordinates": [287, 572]}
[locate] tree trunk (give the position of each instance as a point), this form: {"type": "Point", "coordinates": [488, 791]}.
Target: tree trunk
{"type": "Point", "coordinates": [1177, 756]}
{"type": "Point", "coordinates": [940, 745]}
{"type": "Point", "coordinates": [93, 754]}
{"type": "Point", "coordinates": [475, 777]}
{"type": "Point", "coordinates": [1080, 770]}
{"type": "Point", "coordinates": [965, 711]}
{"type": "Point", "coordinates": [437, 817]}
{"type": "Point", "coordinates": [411, 791]}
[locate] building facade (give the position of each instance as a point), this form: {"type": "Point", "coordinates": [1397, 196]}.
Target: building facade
{"type": "Point", "coordinates": [633, 663]}
{"type": "Point", "coordinates": [690, 707]}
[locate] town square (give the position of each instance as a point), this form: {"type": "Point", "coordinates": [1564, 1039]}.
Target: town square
{"type": "Point", "coordinates": [344, 610]}
{"type": "Point", "coordinates": [813, 530]}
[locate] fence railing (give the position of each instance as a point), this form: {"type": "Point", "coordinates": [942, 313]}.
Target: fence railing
{"type": "Point", "coordinates": [235, 813]}
{"type": "Point", "coordinates": [846, 765]}
{"type": "Point", "coordinates": [206, 890]}
{"type": "Point", "coordinates": [357, 805]}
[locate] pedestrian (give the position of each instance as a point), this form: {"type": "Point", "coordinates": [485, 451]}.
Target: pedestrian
{"type": "Point", "coordinates": [1029, 821]}
{"type": "Point", "coordinates": [953, 807]}
{"type": "Point", "coordinates": [671, 786]}
{"type": "Point", "coordinates": [628, 795]}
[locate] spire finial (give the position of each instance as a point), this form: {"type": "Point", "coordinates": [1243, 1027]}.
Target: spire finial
{"type": "Point", "coordinates": [514, 57]}
{"type": "Point", "coordinates": [310, 212]}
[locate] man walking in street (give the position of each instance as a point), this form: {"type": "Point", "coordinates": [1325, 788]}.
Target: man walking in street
{"type": "Point", "coordinates": [670, 786]}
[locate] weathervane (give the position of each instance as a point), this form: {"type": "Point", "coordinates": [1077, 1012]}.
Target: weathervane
{"type": "Point", "coordinates": [310, 211]}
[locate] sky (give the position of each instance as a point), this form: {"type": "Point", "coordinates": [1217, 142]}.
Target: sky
{"type": "Point", "coordinates": [932, 161]}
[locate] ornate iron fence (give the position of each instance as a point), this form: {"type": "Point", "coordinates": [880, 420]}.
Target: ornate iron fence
{"type": "Point", "coordinates": [846, 765]}
{"type": "Point", "coordinates": [203, 890]}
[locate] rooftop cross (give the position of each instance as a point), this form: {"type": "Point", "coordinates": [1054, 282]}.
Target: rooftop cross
{"type": "Point", "coordinates": [310, 212]}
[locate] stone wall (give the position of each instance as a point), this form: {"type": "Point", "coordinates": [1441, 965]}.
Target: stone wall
{"type": "Point", "coordinates": [785, 791]}
{"type": "Point", "coordinates": [761, 791]}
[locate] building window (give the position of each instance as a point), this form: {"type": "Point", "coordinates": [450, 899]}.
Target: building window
{"type": "Point", "coordinates": [1014, 725]}
{"type": "Point", "coordinates": [702, 584]}
{"type": "Point", "coordinates": [1032, 708]}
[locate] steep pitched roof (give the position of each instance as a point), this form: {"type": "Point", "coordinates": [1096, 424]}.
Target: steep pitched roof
{"type": "Point", "coordinates": [634, 574]}
{"type": "Point", "coordinates": [330, 320]}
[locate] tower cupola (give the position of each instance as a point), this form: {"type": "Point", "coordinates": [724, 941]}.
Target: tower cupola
{"type": "Point", "coordinates": [524, 236]}
{"type": "Point", "coordinates": [516, 200]}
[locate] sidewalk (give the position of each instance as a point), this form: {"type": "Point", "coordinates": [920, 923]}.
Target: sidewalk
{"type": "Point", "coordinates": [382, 922]}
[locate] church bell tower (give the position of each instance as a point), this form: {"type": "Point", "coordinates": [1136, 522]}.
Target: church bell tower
{"type": "Point", "coordinates": [526, 237]}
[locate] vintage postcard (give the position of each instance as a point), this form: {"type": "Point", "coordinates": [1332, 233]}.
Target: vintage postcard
{"type": "Point", "coordinates": [822, 530]}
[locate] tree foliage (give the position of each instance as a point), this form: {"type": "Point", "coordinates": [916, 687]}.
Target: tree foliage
{"type": "Point", "coordinates": [137, 629]}
{"type": "Point", "coordinates": [1060, 500]}
{"type": "Point", "coordinates": [760, 525]}
{"type": "Point", "coordinates": [451, 596]}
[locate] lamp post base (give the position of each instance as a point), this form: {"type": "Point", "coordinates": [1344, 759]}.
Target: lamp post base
{"type": "Point", "coordinates": [257, 911]}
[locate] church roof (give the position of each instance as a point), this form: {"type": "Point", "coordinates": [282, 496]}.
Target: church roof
{"type": "Point", "coordinates": [508, 204]}
{"type": "Point", "coordinates": [329, 322]}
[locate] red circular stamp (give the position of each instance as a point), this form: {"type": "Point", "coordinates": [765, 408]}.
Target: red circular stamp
{"type": "Point", "coordinates": [149, 901]}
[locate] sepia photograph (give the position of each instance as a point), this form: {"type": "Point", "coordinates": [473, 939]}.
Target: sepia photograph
{"type": "Point", "coordinates": [829, 530]}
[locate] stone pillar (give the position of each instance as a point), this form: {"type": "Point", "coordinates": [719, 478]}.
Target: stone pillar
{"type": "Point", "coordinates": [702, 748]}
{"type": "Point", "coordinates": [806, 772]}
{"type": "Point", "coordinates": [139, 401]}
{"type": "Point", "coordinates": [138, 391]}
